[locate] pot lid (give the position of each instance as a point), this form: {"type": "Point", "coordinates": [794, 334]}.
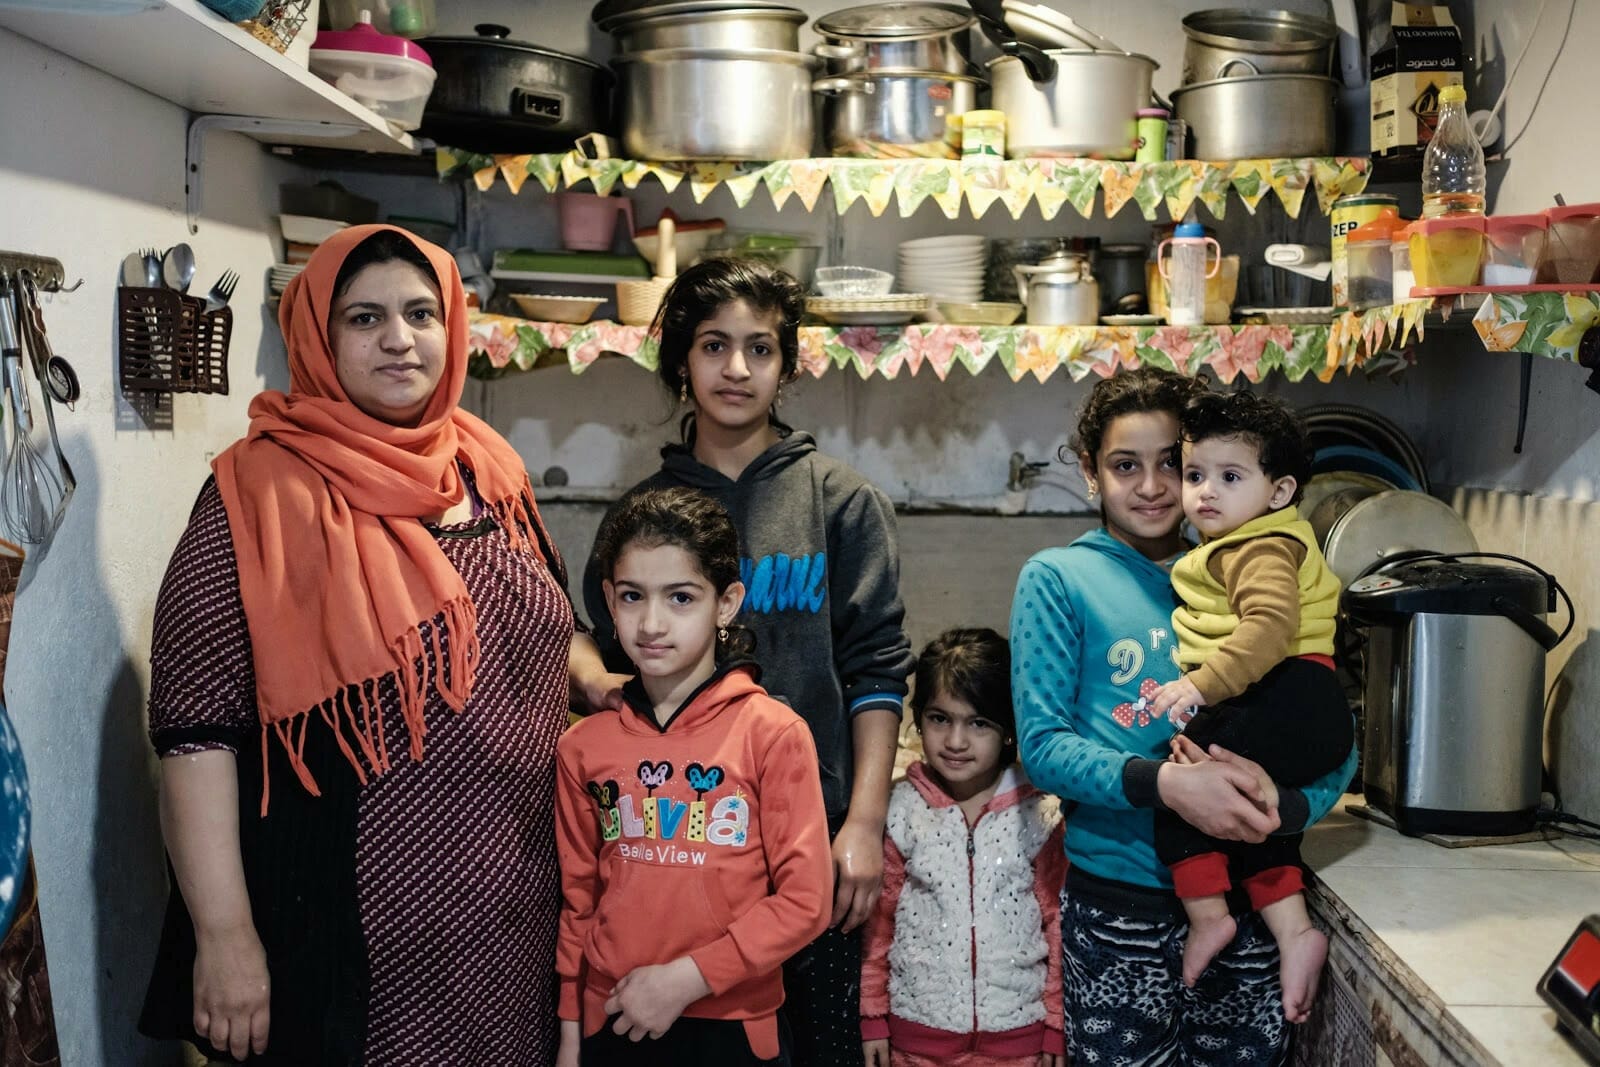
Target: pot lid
{"type": "Point", "coordinates": [1057, 266]}
{"type": "Point", "coordinates": [364, 37]}
{"type": "Point", "coordinates": [1395, 521]}
{"type": "Point", "coordinates": [896, 20]}
{"type": "Point", "coordinates": [491, 35]}
{"type": "Point", "coordinates": [609, 14]}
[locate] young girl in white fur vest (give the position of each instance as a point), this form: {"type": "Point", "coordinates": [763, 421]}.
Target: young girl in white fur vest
{"type": "Point", "coordinates": [962, 962]}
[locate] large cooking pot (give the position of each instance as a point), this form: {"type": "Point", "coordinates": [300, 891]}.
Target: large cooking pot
{"type": "Point", "coordinates": [607, 14]}
{"type": "Point", "coordinates": [693, 104]}
{"type": "Point", "coordinates": [1228, 42]}
{"type": "Point", "coordinates": [1259, 116]}
{"type": "Point", "coordinates": [737, 27]}
{"type": "Point", "coordinates": [897, 37]}
{"type": "Point", "coordinates": [497, 95]}
{"type": "Point", "coordinates": [891, 115]}
{"type": "Point", "coordinates": [1085, 109]}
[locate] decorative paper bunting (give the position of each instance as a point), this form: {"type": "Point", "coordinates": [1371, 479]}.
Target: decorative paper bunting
{"type": "Point", "coordinates": [1016, 182]}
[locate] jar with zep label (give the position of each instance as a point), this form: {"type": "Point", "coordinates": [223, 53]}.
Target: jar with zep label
{"type": "Point", "coordinates": [1348, 213]}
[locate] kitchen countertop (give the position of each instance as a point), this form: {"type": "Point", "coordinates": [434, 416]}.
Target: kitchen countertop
{"type": "Point", "coordinates": [1476, 926]}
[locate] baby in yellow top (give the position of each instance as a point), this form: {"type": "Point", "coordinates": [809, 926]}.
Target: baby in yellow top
{"type": "Point", "coordinates": [1255, 629]}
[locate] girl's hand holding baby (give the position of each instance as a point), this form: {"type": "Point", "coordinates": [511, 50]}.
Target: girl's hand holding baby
{"type": "Point", "coordinates": [1176, 699]}
{"type": "Point", "coordinates": [876, 1052]}
{"type": "Point", "coordinates": [648, 1000]}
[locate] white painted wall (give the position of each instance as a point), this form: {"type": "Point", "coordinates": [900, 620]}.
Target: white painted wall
{"type": "Point", "coordinates": [91, 170]}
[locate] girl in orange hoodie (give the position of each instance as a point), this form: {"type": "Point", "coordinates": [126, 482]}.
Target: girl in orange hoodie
{"type": "Point", "coordinates": [690, 826]}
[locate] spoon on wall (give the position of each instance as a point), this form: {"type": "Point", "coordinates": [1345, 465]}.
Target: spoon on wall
{"type": "Point", "coordinates": [177, 267]}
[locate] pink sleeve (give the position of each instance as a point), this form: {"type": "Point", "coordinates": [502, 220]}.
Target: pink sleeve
{"type": "Point", "coordinates": [1049, 872]}
{"type": "Point", "coordinates": [578, 850]}
{"type": "Point", "coordinates": [875, 944]}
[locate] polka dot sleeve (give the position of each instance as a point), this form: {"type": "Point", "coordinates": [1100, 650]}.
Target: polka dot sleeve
{"type": "Point", "coordinates": [202, 680]}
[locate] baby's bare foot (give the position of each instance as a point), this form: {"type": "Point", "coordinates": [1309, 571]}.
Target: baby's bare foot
{"type": "Point", "coordinates": [1207, 937]}
{"type": "Point", "coordinates": [1301, 957]}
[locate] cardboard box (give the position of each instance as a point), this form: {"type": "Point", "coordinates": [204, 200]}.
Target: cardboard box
{"type": "Point", "coordinates": [1416, 52]}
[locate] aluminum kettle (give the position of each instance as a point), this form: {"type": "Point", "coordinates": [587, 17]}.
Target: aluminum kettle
{"type": "Point", "coordinates": [1059, 291]}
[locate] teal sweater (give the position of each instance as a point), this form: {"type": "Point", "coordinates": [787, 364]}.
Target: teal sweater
{"type": "Point", "coordinates": [1091, 630]}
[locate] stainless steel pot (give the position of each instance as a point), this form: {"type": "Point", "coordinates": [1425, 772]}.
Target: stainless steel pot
{"type": "Point", "coordinates": [492, 94]}
{"type": "Point", "coordinates": [1259, 117]}
{"type": "Point", "coordinates": [748, 27]}
{"type": "Point", "coordinates": [1227, 42]}
{"type": "Point", "coordinates": [882, 115]}
{"type": "Point", "coordinates": [1087, 108]}
{"type": "Point", "coordinates": [897, 37]}
{"type": "Point", "coordinates": [694, 104]}
{"type": "Point", "coordinates": [608, 14]}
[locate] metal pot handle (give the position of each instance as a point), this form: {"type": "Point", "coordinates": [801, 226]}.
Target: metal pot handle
{"type": "Point", "coordinates": [837, 51]}
{"type": "Point", "coordinates": [1222, 71]}
{"type": "Point", "coordinates": [492, 30]}
{"type": "Point", "coordinates": [1039, 65]}
{"type": "Point", "coordinates": [843, 85]}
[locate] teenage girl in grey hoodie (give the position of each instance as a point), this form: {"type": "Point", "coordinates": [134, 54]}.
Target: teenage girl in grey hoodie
{"type": "Point", "coordinates": [821, 570]}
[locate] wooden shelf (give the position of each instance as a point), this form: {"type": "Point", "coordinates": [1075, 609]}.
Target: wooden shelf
{"type": "Point", "coordinates": [185, 53]}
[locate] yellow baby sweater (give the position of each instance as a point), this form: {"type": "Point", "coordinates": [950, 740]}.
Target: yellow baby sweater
{"type": "Point", "coordinates": [1250, 599]}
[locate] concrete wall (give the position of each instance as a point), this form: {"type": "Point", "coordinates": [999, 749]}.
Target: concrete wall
{"type": "Point", "coordinates": [87, 184]}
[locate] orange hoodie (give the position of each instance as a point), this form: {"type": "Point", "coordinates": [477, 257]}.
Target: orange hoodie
{"type": "Point", "coordinates": [704, 838]}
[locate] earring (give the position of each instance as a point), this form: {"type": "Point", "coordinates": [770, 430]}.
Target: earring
{"type": "Point", "coordinates": [777, 399]}
{"type": "Point", "coordinates": [722, 634]}
{"type": "Point", "coordinates": [683, 388]}
{"type": "Point", "coordinates": [1094, 491]}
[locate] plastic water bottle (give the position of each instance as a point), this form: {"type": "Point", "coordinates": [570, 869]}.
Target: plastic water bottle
{"type": "Point", "coordinates": [1185, 262]}
{"type": "Point", "coordinates": [1452, 168]}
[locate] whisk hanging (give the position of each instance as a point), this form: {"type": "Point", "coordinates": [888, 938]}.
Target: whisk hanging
{"type": "Point", "coordinates": [31, 492]}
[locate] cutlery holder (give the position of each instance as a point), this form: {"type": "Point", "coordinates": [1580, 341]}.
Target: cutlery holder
{"type": "Point", "coordinates": [168, 343]}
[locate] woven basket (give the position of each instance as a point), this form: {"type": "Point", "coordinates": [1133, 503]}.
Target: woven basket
{"type": "Point", "coordinates": [637, 301]}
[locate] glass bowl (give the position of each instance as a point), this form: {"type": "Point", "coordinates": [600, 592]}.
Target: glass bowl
{"type": "Point", "coordinates": [853, 281]}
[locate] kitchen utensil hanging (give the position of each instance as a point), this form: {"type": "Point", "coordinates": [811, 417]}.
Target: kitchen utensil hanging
{"type": "Point", "coordinates": [32, 496]}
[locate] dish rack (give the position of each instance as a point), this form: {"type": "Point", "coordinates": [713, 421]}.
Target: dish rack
{"type": "Point", "coordinates": [167, 342]}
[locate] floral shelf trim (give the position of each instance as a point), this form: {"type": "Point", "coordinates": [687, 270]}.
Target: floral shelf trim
{"type": "Point", "coordinates": [501, 344]}
{"type": "Point", "coordinates": [1545, 324]}
{"type": "Point", "coordinates": [947, 182]}
{"type": "Point", "coordinates": [1369, 339]}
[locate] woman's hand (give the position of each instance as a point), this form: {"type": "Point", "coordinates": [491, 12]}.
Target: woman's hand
{"type": "Point", "coordinates": [1051, 1059]}
{"type": "Point", "coordinates": [232, 990]}
{"type": "Point", "coordinates": [876, 1053]}
{"type": "Point", "coordinates": [592, 686]}
{"type": "Point", "coordinates": [648, 1000]}
{"type": "Point", "coordinates": [571, 1038]}
{"type": "Point", "coordinates": [1221, 798]}
{"type": "Point", "coordinates": [857, 873]}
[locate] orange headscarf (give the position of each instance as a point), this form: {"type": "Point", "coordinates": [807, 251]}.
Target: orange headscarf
{"type": "Point", "coordinates": [325, 502]}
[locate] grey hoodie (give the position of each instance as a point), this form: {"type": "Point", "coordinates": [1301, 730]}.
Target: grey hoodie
{"type": "Point", "coordinates": [822, 589]}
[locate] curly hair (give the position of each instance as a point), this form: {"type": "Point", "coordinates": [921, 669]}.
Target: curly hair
{"type": "Point", "coordinates": [708, 285]}
{"type": "Point", "coordinates": [971, 664]}
{"type": "Point", "coordinates": [1125, 393]}
{"type": "Point", "coordinates": [686, 519]}
{"type": "Point", "coordinates": [1267, 424]}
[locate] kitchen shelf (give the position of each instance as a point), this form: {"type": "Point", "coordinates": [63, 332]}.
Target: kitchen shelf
{"type": "Point", "coordinates": [502, 344]}
{"type": "Point", "coordinates": [1539, 321]}
{"type": "Point", "coordinates": [183, 52]}
{"type": "Point", "coordinates": [567, 277]}
{"type": "Point", "coordinates": [1013, 183]}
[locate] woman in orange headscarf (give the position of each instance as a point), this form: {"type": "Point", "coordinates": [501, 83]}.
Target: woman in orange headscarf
{"type": "Point", "coordinates": [360, 666]}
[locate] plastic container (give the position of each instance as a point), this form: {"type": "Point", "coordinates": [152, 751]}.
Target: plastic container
{"type": "Point", "coordinates": [1400, 265]}
{"type": "Point", "coordinates": [1151, 146]}
{"type": "Point", "coordinates": [1446, 251]}
{"type": "Point", "coordinates": [389, 74]}
{"type": "Point", "coordinates": [403, 18]}
{"type": "Point", "coordinates": [1515, 249]}
{"type": "Point", "coordinates": [1572, 253]}
{"type": "Point", "coordinates": [1185, 267]}
{"type": "Point", "coordinates": [983, 134]}
{"type": "Point", "coordinates": [1452, 167]}
{"type": "Point", "coordinates": [1369, 259]}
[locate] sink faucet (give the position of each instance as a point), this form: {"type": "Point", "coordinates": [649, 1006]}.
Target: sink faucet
{"type": "Point", "coordinates": [1024, 472]}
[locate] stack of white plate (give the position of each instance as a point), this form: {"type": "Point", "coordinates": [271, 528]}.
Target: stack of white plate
{"type": "Point", "coordinates": [949, 268]}
{"type": "Point", "coordinates": [281, 274]}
